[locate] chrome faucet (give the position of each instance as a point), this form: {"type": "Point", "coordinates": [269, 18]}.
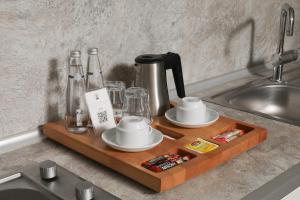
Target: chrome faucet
{"type": "Point", "coordinates": [287, 12]}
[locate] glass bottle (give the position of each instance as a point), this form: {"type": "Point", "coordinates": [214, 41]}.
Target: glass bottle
{"type": "Point", "coordinates": [94, 78]}
{"type": "Point", "coordinates": [76, 113]}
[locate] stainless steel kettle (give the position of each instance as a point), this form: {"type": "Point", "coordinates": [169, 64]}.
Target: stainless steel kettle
{"type": "Point", "coordinates": [151, 74]}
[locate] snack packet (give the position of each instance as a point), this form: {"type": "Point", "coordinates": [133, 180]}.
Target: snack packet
{"type": "Point", "coordinates": [164, 162]}
{"type": "Point", "coordinates": [228, 135]}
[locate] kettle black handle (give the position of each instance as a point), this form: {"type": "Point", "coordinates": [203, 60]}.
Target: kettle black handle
{"type": "Point", "coordinates": [173, 61]}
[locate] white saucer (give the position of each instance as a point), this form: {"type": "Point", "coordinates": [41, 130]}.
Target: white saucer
{"type": "Point", "coordinates": [210, 115]}
{"type": "Point", "coordinates": [109, 138]}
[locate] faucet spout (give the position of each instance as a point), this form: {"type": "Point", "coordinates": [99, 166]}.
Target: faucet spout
{"type": "Point", "coordinates": [291, 16]}
{"type": "Point", "coordinates": [286, 28]}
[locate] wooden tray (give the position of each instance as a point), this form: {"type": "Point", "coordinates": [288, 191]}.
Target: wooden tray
{"type": "Point", "coordinates": [129, 164]}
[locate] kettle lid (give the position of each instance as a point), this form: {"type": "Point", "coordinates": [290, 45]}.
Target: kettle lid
{"type": "Point", "coordinates": [149, 58]}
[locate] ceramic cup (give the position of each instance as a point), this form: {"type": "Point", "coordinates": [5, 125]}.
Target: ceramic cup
{"type": "Point", "coordinates": [190, 110]}
{"type": "Point", "coordinates": [133, 131]}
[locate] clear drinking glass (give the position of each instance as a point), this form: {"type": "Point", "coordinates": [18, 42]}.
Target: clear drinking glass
{"type": "Point", "coordinates": [76, 113]}
{"type": "Point", "coordinates": [136, 103]}
{"type": "Point", "coordinates": [94, 78]}
{"type": "Point", "coordinates": [116, 92]}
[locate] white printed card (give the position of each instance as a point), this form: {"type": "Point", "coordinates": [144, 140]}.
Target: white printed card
{"type": "Point", "coordinates": [100, 109]}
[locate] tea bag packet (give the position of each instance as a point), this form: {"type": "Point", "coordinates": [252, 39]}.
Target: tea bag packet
{"type": "Point", "coordinates": [202, 146]}
{"type": "Point", "coordinates": [100, 110]}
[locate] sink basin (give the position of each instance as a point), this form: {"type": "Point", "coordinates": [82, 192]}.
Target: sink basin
{"type": "Point", "coordinates": [21, 193]}
{"type": "Point", "coordinates": [279, 101]}
{"type": "Point", "coordinates": [20, 186]}
{"type": "Point", "coordinates": [28, 185]}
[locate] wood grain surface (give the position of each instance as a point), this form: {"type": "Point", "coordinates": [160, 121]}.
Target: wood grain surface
{"type": "Point", "coordinates": [129, 164]}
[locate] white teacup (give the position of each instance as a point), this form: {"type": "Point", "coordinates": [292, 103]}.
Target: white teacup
{"type": "Point", "coordinates": [190, 110]}
{"type": "Point", "coordinates": [133, 131]}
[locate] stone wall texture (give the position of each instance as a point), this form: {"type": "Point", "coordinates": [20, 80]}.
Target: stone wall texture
{"type": "Point", "coordinates": [212, 37]}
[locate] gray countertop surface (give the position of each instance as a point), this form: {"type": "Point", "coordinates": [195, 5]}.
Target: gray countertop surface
{"type": "Point", "coordinates": [231, 180]}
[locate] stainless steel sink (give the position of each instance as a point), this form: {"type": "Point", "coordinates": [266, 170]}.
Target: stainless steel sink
{"type": "Point", "coordinates": [21, 193]}
{"type": "Point", "coordinates": [20, 186]}
{"type": "Point", "coordinates": [279, 101]}
{"type": "Point", "coordinates": [30, 185]}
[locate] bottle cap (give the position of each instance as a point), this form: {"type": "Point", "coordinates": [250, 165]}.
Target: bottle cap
{"type": "Point", "coordinates": [93, 51]}
{"type": "Point", "coordinates": [75, 53]}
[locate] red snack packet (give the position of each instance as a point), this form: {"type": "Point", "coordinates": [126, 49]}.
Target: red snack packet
{"type": "Point", "coordinates": [162, 163]}
{"type": "Point", "coordinates": [228, 135]}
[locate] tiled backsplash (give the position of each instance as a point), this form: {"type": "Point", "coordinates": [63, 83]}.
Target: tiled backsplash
{"type": "Point", "coordinates": [212, 37]}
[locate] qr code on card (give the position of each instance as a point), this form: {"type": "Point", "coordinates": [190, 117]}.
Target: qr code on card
{"type": "Point", "coordinates": [102, 116]}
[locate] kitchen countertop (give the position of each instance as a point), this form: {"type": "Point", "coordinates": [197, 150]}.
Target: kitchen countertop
{"type": "Point", "coordinates": [232, 180]}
